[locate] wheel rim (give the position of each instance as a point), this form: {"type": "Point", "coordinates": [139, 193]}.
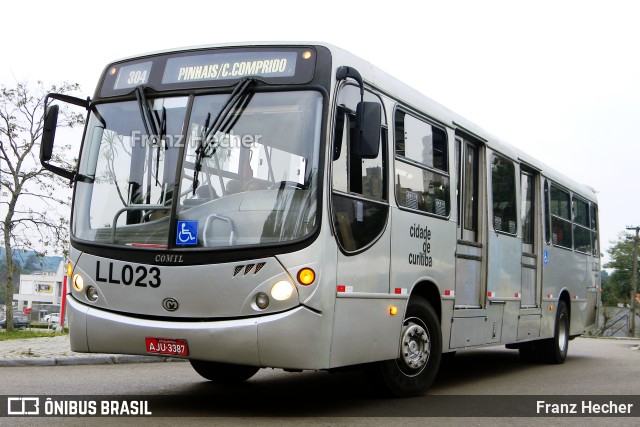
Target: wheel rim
{"type": "Point", "coordinates": [562, 333]}
{"type": "Point", "coordinates": [415, 347]}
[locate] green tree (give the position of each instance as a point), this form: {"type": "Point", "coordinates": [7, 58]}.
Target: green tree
{"type": "Point", "coordinates": [617, 288]}
{"type": "Point", "coordinates": [34, 210]}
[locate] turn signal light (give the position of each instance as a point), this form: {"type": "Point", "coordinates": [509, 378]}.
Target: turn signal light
{"type": "Point", "coordinates": [69, 269]}
{"type": "Point", "coordinates": [393, 310]}
{"type": "Point", "coordinates": [306, 276]}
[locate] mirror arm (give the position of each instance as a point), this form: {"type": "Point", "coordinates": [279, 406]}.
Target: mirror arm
{"type": "Point", "coordinates": [86, 103]}
{"type": "Point", "coordinates": [344, 72]}
{"type": "Point", "coordinates": [69, 174]}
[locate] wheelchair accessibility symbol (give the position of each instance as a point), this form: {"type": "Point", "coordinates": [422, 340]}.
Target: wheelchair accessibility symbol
{"type": "Point", "coordinates": [187, 233]}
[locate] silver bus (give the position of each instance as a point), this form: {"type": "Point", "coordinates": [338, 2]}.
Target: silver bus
{"type": "Point", "coordinates": [293, 206]}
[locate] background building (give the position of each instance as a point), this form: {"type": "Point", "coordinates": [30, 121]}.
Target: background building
{"type": "Point", "coordinates": [40, 293]}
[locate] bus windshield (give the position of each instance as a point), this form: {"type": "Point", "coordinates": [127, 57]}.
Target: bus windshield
{"type": "Point", "coordinates": [257, 182]}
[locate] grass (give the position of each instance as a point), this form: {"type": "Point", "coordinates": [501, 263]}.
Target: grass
{"type": "Point", "coordinates": [21, 334]}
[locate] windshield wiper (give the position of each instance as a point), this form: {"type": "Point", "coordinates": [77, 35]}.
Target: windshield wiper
{"type": "Point", "coordinates": [147, 115]}
{"type": "Point", "coordinates": [162, 132]}
{"type": "Point", "coordinates": [154, 126]}
{"type": "Point", "coordinates": [226, 119]}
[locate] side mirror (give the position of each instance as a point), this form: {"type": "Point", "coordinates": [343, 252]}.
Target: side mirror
{"type": "Point", "coordinates": [368, 128]}
{"type": "Point", "coordinates": [49, 132]}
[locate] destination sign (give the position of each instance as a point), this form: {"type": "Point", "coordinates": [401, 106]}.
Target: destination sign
{"type": "Point", "coordinates": [133, 75]}
{"type": "Point", "coordinates": [224, 66]}
{"type": "Point", "coordinates": [211, 68]}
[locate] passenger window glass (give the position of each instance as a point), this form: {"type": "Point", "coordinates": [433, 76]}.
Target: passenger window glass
{"type": "Point", "coordinates": [581, 212]}
{"type": "Point", "coordinates": [560, 203]}
{"type": "Point", "coordinates": [503, 185]}
{"type": "Point", "coordinates": [582, 238]}
{"type": "Point", "coordinates": [560, 218]}
{"type": "Point", "coordinates": [421, 165]}
{"type": "Point", "coordinates": [561, 232]}
{"type": "Point", "coordinates": [581, 232]}
{"type": "Point", "coordinates": [420, 142]}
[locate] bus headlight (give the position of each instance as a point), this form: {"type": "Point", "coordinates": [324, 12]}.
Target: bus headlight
{"type": "Point", "coordinates": [92, 294]}
{"type": "Point", "coordinates": [262, 300]}
{"type": "Point", "coordinates": [78, 282]}
{"type": "Point", "coordinates": [282, 290]}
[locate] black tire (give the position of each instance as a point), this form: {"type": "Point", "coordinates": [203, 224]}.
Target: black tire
{"type": "Point", "coordinates": [226, 373]}
{"type": "Point", "coordinates": [553, 350]}
{"type": "Point", "coordinates": [421, 352]}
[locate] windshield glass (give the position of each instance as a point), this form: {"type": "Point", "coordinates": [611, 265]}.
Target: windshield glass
{"type": "Point", "coordinates": [257, 182]}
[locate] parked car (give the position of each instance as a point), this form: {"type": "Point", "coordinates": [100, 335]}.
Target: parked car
{"type": "Point", "coordinates": [52, 318]}
{"type": "Point", "coordinates": [19, 321]}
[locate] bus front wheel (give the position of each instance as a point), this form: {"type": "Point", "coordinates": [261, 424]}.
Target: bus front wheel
{"type": "Point", "coordinates": [223, 372]}
{"type": "Point", "coordinates": [420, 353]}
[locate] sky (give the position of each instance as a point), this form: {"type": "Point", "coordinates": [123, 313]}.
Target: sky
{"type": "Point", "coordinates": [558, 79]}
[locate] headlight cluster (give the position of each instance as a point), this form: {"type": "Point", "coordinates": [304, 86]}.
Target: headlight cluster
{"type": "Point", "coordinates": [284, 289]}
{"type": "Point", "coordinates": [91, 292]}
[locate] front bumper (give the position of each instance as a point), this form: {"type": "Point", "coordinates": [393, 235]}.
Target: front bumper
{"type": "Point", "coordinates": [291, 339]}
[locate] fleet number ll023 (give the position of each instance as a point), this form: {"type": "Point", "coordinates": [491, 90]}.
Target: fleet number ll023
{"type": "Point", "coordinates": [138, 276]}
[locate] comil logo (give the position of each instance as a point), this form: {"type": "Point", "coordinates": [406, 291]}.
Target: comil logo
{"type": "Point", "coordinates": [23, 406]}
{"type": "Point", "coordinates": [170, 304]}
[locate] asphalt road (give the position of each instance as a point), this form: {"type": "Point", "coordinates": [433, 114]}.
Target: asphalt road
{"type": "Point", "coordinates": [487, 377]}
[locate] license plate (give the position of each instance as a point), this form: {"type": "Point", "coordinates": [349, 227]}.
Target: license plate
{"type": "Point", "coordinates": [168, 346]}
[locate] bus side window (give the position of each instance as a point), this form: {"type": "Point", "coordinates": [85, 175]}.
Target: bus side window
{"type": "Point", "coordinates": [581, 226]}
{"type": "Point", "coordinates": [421, 167]}
{"type": "Point", "coordinates": [561, 218]}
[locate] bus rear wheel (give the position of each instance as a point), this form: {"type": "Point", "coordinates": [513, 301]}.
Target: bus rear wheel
{"type": "Point", "coordinates": [420, 353]}
{"type": "Point", "coordinates": [223, 372]}
{"type": "Point", "coordinates": [553, 350]}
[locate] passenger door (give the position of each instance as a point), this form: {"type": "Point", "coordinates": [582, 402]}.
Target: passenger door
{"type": "Point", "coordinates": [505, 247]}
{"type": "Point", "coordinates": [529, 224]}
{"type": "Point", "coordinates": [469, 283]}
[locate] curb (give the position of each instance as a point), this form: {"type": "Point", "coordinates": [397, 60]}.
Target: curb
{"type": "Point", "coordinates": [106, 359]}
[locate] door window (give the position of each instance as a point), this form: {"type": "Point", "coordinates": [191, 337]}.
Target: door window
{"type": "Point", "coordinates": [359, 195]}
{"type": "Point", "coordinates": [503, 186]}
